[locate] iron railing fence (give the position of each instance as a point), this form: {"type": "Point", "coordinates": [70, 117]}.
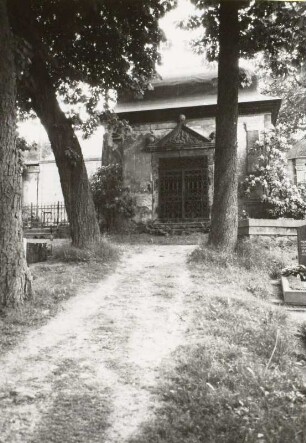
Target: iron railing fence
{"type": "Point", "coordinates": [44, 215]}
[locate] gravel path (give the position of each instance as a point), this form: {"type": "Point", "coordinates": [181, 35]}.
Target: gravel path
{"type": "Point", "coordinates": [88, 375]}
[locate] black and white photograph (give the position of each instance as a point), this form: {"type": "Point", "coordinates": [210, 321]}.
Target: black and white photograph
{"type": "Point", "coordinates": [152, 221]}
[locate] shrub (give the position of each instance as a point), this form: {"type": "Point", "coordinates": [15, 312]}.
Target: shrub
{"type": "Point", "coordinates": [280, 198]}
{"type": "Point", "coordinates": [101, 251]}
{"type": "Point", "coordinates": [113, 201]}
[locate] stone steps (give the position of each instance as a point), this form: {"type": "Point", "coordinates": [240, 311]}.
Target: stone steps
{"type": "Point", "coordinates": [178, 228]}
{"type": "Point", "coordinates": [46, 233]}
{"type": "Point", "coordinates": [38, 233]}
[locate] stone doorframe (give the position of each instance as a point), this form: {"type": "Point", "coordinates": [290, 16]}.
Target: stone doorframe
{"type": "Point", "coordinates": [190, 153]}
{"type": "Point", "coordinates": [181, 142]}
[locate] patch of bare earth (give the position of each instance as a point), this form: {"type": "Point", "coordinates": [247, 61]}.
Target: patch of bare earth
{"type": "Point", "coordinates": [89, 374]}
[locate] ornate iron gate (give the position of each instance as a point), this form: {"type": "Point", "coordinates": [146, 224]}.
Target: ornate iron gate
{"type": "Point", "coordinates": [183, 188]}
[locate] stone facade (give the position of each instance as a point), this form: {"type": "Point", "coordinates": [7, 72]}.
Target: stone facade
{"type": "Point", "coordinates": [155, 117]}
{"type": "Point", "coordinates": [141, 165]}
{"type": "Point", "coordinates": [297, 162]}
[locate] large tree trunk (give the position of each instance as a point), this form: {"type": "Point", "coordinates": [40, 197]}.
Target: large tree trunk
{"type": "Point", "coordinates": [68, 156]}
{"type": "Point", "coordinates": [15, 279]}
{"type": "Point", "coordinates": [224, 221]}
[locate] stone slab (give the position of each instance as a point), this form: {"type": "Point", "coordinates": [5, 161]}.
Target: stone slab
{"type": "Point", "coordinates": [254, 227]}
{"type": "Point", "coordinates": [292, 296]}
{"type": "Point", "coordinates": [37, 251]}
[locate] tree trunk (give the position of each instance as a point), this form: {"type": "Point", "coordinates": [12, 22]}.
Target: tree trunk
{"type": "Point", "coordinates": [79, 204]}
{"type": "Point", "coordinates": [15, 279]}
{"type": "Point", "coordinates": [224, 220]}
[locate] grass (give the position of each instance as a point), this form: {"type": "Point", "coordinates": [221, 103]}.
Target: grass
{"type": "Point", "coordinates": [236, 379]}
{"type": "Point", "coordinates": [184, 239]}
{"type": "Point", "coordinates": [266, 255]}
{"type": "Point", "coordinates": [54, 281]}
{"type": "Point", "coordinates": [101, 251]}
{"type": "Point", "coordinates": [79, 412]}
{"type": "Point", "coordinates": [252, 265]}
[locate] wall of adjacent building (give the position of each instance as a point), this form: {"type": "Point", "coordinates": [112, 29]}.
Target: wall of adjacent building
{"type": "Point", "coordinates": [41, 182]}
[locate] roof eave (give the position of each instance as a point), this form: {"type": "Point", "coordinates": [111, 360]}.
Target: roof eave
{"type": "Point", "coordinates": [199, 111]}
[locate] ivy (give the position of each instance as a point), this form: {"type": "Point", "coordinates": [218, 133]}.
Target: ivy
{"type": "Point", "coordinates": [270, 180]}
{"type": "Point", "coordinates": [113, 201]}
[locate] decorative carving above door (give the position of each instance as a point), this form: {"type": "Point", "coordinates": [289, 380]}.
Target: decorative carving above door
{"type": "Point", "coordinates": [180, 138]}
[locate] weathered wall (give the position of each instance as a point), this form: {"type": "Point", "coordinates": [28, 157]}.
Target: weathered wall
{"type": "Point", "coordinates": [141, 168]}
{"type": "Point", "coordinates": [137, 174]}
{"type": "Point", "coordinates": [300, 170]}
{"type": "Point", "coordinates": [43, 186]}
{"type": "Point", "coordinates": [30, 183]}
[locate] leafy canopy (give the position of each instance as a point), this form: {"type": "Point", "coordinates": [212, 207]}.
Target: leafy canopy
{"type": "Point", "coordinates": [292, 90]}
{"type": "Point", "coordinates": [105, 44]}
{"type": "Point", "coordinates": [274, 28]}
{"type": "Point", "coordinates": [273, 33]}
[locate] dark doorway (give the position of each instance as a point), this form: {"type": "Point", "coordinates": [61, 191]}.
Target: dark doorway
{"type": "Point", "coordinates": [183, 188]}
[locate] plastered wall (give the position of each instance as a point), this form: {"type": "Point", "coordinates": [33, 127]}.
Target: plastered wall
{"type": "Point", "coordinates": [141, 168]}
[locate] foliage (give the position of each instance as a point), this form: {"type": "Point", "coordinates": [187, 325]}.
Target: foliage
{"type": "Point", "coordinates": [80, 51]}
{"type": "Point", "coordinates": [274, 29]}
{"type": "Point", "coordinates": [119, 128]}
{"type": "Point", "coordinates": [292, 90]}
{"type": "Point", "coordinates": [295, 270]}
{"type": "Point", "coordinates": [24, 146]}
{"type": "Point", "coordinates": [270, 179]}
{"type": "Point", "coordinates": [88, 48]}
{"type": "Point", "coordinates": [100, 251]}
{"type": "Point", "coordinates": [274, 33]}
{"type": "Point", "coordinates": [112, 200]}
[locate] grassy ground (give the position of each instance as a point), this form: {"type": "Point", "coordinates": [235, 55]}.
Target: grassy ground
{"type": "Point", "coordinates": [54, 281]}
{"type": "Point", "coordinates": [236, 379]}
{"type": "Point", "coordinates": [79, 413]}
{"type": "Point", "coordinates": [190, 239]}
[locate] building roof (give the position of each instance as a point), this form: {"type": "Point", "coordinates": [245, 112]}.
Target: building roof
{"type": "Point", "coordinates": [193, 92]}
{"type": "Point", "coordinates": [298, 150]}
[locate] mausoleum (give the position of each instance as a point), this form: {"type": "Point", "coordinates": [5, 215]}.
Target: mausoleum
{"type": "Point", "coordinates": [169, 162]}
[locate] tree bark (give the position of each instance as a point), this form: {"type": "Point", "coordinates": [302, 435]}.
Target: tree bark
{"type": "Point", "coordinates": [15, 279]}
{"type": "Point", "coordinates": [79, 204]}
{"type": "Point", "coordinates": [224, 220]}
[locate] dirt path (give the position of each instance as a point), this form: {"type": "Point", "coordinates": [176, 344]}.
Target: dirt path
{"type": "Point", "coordinates": [87, 376]}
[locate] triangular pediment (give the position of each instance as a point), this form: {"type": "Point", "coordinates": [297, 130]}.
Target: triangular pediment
{"type": "Point", "coordinates": [180, 138]}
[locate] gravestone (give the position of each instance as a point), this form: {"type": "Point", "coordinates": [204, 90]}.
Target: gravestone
{"type": "Point", "coordinates": [301, 239]}
{"type": "Point", "coordinates": [36, 251]}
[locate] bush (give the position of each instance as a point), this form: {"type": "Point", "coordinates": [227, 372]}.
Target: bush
{"type": "Point", "coordinates": [280, 198]}
{"type": "Point", "coordinates": [101, 251]}
{"type": "Point", "coordinates": [113, 201]}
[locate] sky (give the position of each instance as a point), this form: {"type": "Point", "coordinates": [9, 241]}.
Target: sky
{"type": "Point", "coordinates": [177, 58]}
